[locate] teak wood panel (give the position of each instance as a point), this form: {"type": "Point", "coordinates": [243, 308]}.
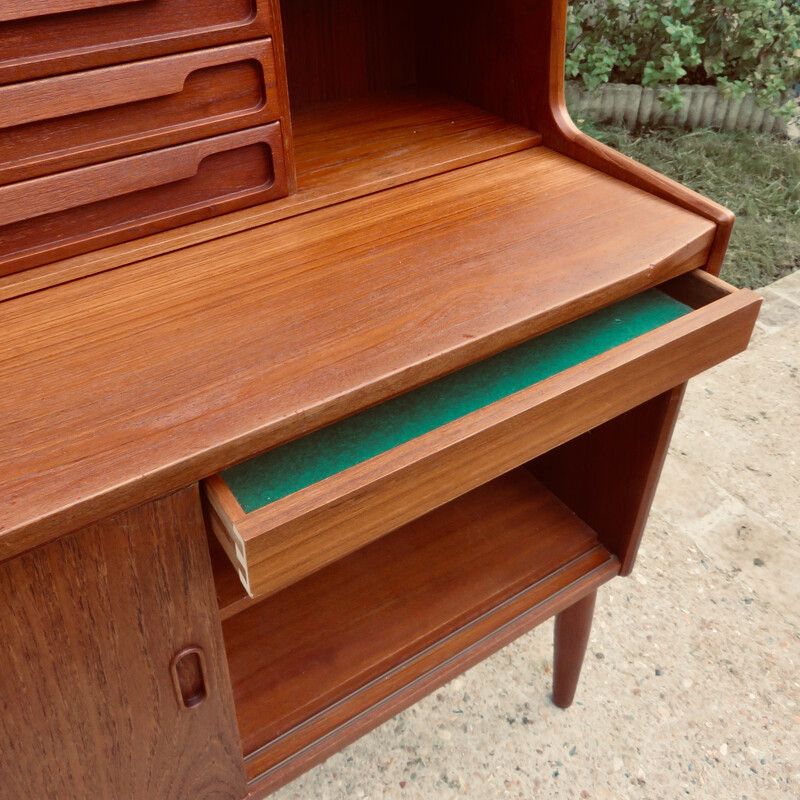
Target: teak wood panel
{"type": "Point", "coordinates": [344, 150]}
{"type": "Point", "coordinates": [338, 49]}
{"type": "Point", "coordinates": [81, 34]}
{"type": "Point", "coordinates": [320, 653]}
{"type": "Point", "coordinates": [609, 475]}
{"type": "Point", "coordinates": [90, 626]}
{"type": "Point", "coordinates": [175, 368]}
{"type": "Point", "coordinates": [507, 56]}
{"type": "Point", "coordinates": [328, 733]}
{"type": "Point", "coordinates": [290, 538]}
{"type": "Point", "coordinates": [71, 120]}
{"type": "Point", "coordinates": [71, 212]}
{"type": "Point", "coordinates": [24, 9]}
{"type": "Point", "coordinates": [283, 95]}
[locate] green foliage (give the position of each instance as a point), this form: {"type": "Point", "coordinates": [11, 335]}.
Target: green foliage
{"type": "Point", "coordinates": [740, 45]}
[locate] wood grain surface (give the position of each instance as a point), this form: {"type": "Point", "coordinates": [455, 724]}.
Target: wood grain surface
{"type": "Point", "coordinates": [23, 9]}
{"type": "Point", "coordinates": [93, 33]}
{"type": "Point", "coordinates": [89, 628]}
{"type": "Point", "coordinates": [231, 596]}
{"type": "Point", "coordinates": [171, 369]}
{"type": "Point", "coordinates": [572, 629]}
{"type": "Point", "coordinates": [330, 732]}
{"type": "Point", "coordinates": [405, 604]}
{"type": "Point", "coordinates": [344, 49]}
{"type": "Point", "coordinates": [343, 150]}
{"type": "Point", "coordinates": [609, 475]}
{"type": "Point", "coordinates": [72, 120]}
{"type": "Point", "coordinates": [74, 211]}
{"type": "Point", "coordinates": [279, 54]}
{"type": "Point", "coordinates": [507, 56]}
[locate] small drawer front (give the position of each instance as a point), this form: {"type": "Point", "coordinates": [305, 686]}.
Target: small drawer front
{"type": "Point", "coordinates": [281, 517]}
{"type": "Point", "coordinates": [50, 37]}
{"type": "Point", "coordinates": [25, 9]}
{"type": "Point", "coordinates": [61, 215]}
{"type": "Point", "coordinates": [60, 123]}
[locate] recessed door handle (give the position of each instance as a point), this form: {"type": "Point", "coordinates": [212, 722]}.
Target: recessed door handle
{"type": "Point", "coordinates": [189, 677]}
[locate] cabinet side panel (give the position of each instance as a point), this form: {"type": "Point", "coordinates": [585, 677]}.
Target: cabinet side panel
{"type": "Point", "coordinates": [609, 475]}
{"type": "Point", "coordinates": [89, 628]}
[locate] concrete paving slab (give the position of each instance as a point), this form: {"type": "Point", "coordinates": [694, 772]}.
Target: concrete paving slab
{"type": "Point", "coordinates": [691, 686]}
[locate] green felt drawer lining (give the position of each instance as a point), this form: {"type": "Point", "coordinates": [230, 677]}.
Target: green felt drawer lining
{"type": "Point", "coordinates": [312, 458]}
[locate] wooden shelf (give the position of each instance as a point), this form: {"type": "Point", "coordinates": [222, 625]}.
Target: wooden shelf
{"type": "Point", "coordinates": [349, 148]}
{"type": "Point", "coordinates": [179, 366]}
{"type": "Point", "coordinates": [343, 149]}
{"type": "Point", "coordinates": [372, 625]}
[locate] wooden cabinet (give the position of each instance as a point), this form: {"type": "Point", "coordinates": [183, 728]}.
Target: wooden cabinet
{"type": "Point", "coordinates": [416, 345]}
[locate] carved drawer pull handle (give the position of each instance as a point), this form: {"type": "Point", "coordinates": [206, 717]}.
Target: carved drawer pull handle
{"type": "Point", "coordinates": [189, 677]}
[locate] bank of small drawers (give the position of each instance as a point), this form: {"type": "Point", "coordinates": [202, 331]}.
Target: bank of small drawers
{"type": "Point", "coordinates": [94, 157]}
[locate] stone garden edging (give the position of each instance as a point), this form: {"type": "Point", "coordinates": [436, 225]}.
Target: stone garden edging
{"type": "Point", "coordinates": [632, 106]}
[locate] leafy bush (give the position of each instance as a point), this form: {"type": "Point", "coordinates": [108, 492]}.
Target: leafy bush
{"type": "Point", "coordinates": [739, 45]}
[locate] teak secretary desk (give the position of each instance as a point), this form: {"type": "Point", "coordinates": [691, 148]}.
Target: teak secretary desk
{"type": "Point", "coordinates": [333, 358]}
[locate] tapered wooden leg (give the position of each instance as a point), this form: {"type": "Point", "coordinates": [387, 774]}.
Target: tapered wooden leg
{"type": "Point", "coordinates": [572, 635]}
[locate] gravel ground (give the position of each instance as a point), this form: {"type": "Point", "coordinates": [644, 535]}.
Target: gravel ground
{"type": "Point", "coordinates": [691, 686]}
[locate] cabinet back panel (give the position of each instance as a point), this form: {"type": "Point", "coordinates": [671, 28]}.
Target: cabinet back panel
{"type": "Point", "coordinates": [494, 54]}
{"type": "Point", "coordinates": [337, 49]}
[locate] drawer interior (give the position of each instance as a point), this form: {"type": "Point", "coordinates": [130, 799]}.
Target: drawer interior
{"type": "Point", "coordinates": [293, 467]}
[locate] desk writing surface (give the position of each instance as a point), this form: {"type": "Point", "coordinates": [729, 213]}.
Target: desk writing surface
{"type": "Point", "coordinates": [126, 385]}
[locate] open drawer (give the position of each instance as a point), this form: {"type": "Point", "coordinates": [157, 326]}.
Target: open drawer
{"type": "Point", "coordinates": [48, 37]}
{"type": "Point", "coordinates": [305, 504]}
{"type": "Point", "coordinates": [61, 215]}
{"type": "Point", "coordinates": [69, 121]}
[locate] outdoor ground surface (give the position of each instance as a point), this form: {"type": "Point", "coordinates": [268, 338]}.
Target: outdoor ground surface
{"type": "Point", "coordinates": [691, 686]}
{"type": "Point", "coordinates": [757, 177]}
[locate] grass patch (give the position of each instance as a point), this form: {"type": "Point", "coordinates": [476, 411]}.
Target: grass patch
{"type": "Point", "coordinates": [756, 176]}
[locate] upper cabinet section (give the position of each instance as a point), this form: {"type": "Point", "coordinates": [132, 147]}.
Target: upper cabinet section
{"type": "Point", "coordinates": [49, 37]}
